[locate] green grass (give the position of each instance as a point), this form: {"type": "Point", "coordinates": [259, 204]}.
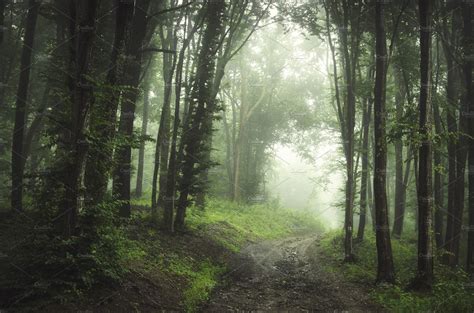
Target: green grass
{"type": "Point", "coordinates": [229, 224]}
{"type": "Point", "coordinates": [242, 223]}
{"type": "Point", "coordinates": [452, 291]}
{"type": "Point", "coordinates": [201, 281]}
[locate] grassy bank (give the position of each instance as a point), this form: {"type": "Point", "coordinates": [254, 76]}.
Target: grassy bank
{"type": "Point", "coordinates": [134, 266]}
{"type": "Point", "coordinates": [215, 233]}
{"type": "Point", "coordinates": [453, 292]}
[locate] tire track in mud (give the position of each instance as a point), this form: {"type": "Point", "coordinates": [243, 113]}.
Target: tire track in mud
{"type": "Point", "coordinates": [286, 275]}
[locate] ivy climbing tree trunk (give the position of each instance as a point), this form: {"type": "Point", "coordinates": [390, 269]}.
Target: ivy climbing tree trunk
{"type": "Point", "coordinates": [104, 116]}
{"type": "Point", "coordinates": [202, 106]}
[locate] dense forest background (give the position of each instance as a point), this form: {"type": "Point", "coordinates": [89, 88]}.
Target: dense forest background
{"type": "Point", "coordinates": [121, 118]}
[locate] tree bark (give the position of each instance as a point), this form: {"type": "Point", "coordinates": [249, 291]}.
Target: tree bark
{"type": "Point", "coordinates": [365, 167]}
{"type": "Point", "coordinates": [18, 156]}
{"type": "Point", "coordinates": [75, 148]}
{"type": "Point", "coordinates": [385, 268]}
{"type": "Point", "coordinates": [104, 117]}
{"type": "Point", "coordinates": [468, 44]}
{"type": "Point", "coordinates": [202, 106]}
{"type": "Point", "coordinates": [141, 149]}
{"type": "Point", "coordinates": [132, 70]}
{"type": "Point", "coordinates": [170, 195]}
{"type": "Point", "coordinates": [400, 189]}
{"type": "Point", "coordinates": [424, 277]}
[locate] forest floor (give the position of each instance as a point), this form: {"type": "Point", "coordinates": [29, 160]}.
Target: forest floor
{"type": "Point", "coordinates": [287, 274]}
{"type": "Point", "coordinates": [229, 259]}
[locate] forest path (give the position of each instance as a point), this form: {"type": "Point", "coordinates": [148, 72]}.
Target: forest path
{"type": "Point", "coordinates": [286, 275]}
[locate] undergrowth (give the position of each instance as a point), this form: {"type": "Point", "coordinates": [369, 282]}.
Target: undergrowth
{"type": "Point", "coordinates": [108, 250]}
{"type": "Point", "coordinates": [241, 223]}
{"type": "Point", "coordinates": [452, 292]}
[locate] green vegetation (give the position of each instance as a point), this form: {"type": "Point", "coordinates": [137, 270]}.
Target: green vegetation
{"type": "Point", "coordinates": [230, 226]}
{"type": "Point", "coordinates": [192, 262]}
{"type": "Point", "coordinates": [250, 222]}
{"type": "Point", "coordinates": [452, 291]}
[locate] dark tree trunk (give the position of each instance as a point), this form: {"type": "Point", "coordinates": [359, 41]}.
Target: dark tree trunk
{"type": "Point", "coordinates": [452, 96]}
{"type": "Point", "coordinates": [365, 167]}
{"type": "Point", "coordinates": [104, 117]}
{"type": "Point", "coordinates": [438, 182]}
{"type": "Point", "coordinates": [385, 269]}
{"type": "Point", "coordinates": [18, 155]}
{"type": "Point", "coordinates": [3, 4]}
{"type": "Point", "coordinates": [202, 105]}
{"type": "Point", "coordinates": [132, 70]}
{"type": "Point", "coordinates": [141, 150]}
{"type": "Point", "coordinates": [166, 122]}
{"type": "Point", "coordinates": [400, 188]}
{"type": "Point", "coordinates": [75, 148]}
{"type": "Point", "coordinates": [424, 278]}
{"type": "Point", "coordinates": [170, 195]}
{"type": "Point", "coordinates": [468, 44]}
{"type": "Point", "coordinates": [162, 139]}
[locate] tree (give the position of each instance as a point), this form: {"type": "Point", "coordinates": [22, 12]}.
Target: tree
{"type": "Point", "coordinates": [18, 156]}
{"type": "Point", "coordinates": [468, 45]}
{"type": "Point", "coordinates": [202, 107]}
{"type": "Point", "coordinates": [424, 278]}
{"type": "Point", "coordinates": [74, 149]}
{"type": "Point", "coordinates": [104, 117]}
{"type": "Point", "coordinates": [141, 149]}
{"type": "Point", "coordinates": [132, 69]}
{"type": "Point", "coordinates": [385, 268]}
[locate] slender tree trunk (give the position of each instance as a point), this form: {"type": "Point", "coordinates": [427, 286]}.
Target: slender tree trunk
{"type": "Point", "coordinates": [365, 167]}
{"type": "Point", "coordinates": [438, 182]}
{"type": "Point", "coordinates": [141, 150]}
{"type": "Point", "coordinates": [452, 91]}
{"type": "Point", "coordinates": [18, 155]}
{"type": "Point", "coordinates": [468, 44]}
{"type": "Point", "coordinates": [203, 107]}
{"type": "Point", "coordinates": [170, 196]}
{"type": "Point", "coordinates": [399, 207]}
{"type": "Point", "coordinates": [424, 278]}
{"type": "Point", "coordinates": [104, 116]}
{"type": "Point", "coordinates": [132, 69]}
{"type": "Point", "coordinates": [385, 268]}
{"type": "Point", "coordinates": [83, 34]}
{"type": "Point", "coordinates": [3, 4]}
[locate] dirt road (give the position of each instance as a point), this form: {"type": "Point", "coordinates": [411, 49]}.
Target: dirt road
{"type": "Point", "coordinates": [286, 275]}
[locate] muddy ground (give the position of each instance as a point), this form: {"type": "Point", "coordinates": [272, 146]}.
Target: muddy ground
{"type": "Point", "coordinates": [286, 275]}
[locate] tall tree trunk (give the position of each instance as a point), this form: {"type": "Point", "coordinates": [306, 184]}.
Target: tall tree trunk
{"type": "Point", "coordinates": [349, 58]}
{"type": "Point", "coordinates": [75, 149]}
{"type": "Point", "coordinates": [452, 91]}
{"type": "Point", "coordinates": [104, 117]}
{"type": "Point", "coordinates": [141, 149]}
{"type": "Point", "coordinates": [170, 195]}
{"type": "Point", "coordinates": [132, 70]}
{"type": "Point", "coordinates": [165, 123]}
{"type": "Point", "coordinates": [438, 182]}
{"type": "Point", "coordinates": [202, 106]}
{"type": "Point", "coordinates": [3, 4]}
{"type": "Point", "coordinates": [385, 269]}
{"type": "Point", "coordinates": [365, 167]}
{"type": "Point", "coordinates": [399, 207]}
{"type": "Point", "coordinates": [468, 44]}
{"type": "Point", "coordinates": [18, 156]}
{"type": "Point", "coordinates": [424, 278]}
